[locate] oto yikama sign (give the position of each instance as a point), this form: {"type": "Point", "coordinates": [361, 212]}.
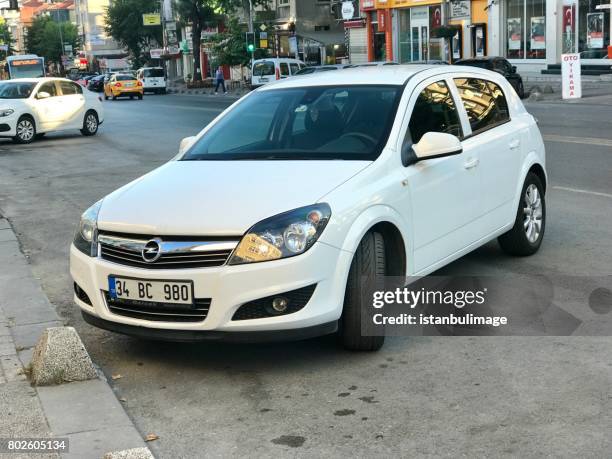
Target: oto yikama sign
{"type": "Point", "coordinates": [570, 76]}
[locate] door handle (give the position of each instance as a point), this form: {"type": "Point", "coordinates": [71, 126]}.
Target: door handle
{"type": "Point", "coordinates": [514, 144]}
{"type": "Point", "coordinates": [471, 163]}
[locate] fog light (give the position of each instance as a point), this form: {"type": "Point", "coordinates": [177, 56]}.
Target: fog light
{"type": "Point", "coordinates": [280, 304]}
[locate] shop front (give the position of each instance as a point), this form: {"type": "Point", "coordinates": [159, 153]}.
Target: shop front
{"type": "Point", "coordinates": [415, 25]}
{"type": "Point", "coordinates": [586, 29]}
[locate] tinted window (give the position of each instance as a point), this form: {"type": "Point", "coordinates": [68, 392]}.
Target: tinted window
{"type": "Point", "coordinates": [124, 77]}
{"type": "Point", "coordinates": [12, 90]}
{"type": "Point", "coordinates": [481, 64]}
{"type": "Point", "coordinates": [69, 88]}
{"type": "Point", "coordinates": [294, 68]}
{"type": "Point", "coordinates": [284, 69]}
{"type": "Point", "coordinates": [263, 68]}
{"type": "Point", "coordinates": [350, 122]}
{"type": "Point", "coordinates": [153, 73]}
{"type": "Point", "coordinates": [434, 111]}
{"type": "Point", "coordinates": [484, 103]}
{"type": "Point", "coordinates": [48, 87]}
{"type": "Point", "coordinates": [306, 71]}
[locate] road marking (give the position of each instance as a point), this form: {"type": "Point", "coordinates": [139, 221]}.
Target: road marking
{"type": "Point", "coordinates": [576, 190]}
{"type": "Point", "coordinates": [581, 140]}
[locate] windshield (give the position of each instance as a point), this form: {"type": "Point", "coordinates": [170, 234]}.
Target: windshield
{"type": "Point", "coordinates": [16, 90]}
{"type": "Point", "coordinates": [26, 68]}
{"type": "Point", "coordinates": [263, 68]}
{"type": "Point", "coordinates": [153, 73]}
{"type": "Point", "coordinates": [337, 122]}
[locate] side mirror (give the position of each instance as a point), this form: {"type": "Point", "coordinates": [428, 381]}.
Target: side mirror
{"type": "Point", "coordinates": [432, 145]}
{"type": "Point", "coordinates": [186, 143]}
{"type": "Point", "coordinates": [43, 95]}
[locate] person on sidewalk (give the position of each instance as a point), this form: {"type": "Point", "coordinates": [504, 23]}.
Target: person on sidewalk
{"type": "Point", "coordinates": [220, 80]}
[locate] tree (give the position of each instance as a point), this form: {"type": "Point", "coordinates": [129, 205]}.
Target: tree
{"type": "Point", "coordinates": [6, 39]}
{"type": "Point", "coordinates": [45, 37]}
{"type": "Point", "coordinates": [124, 23]}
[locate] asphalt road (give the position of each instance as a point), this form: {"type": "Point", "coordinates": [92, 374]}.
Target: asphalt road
{"type": "Point", "coordinates": [439, 396]}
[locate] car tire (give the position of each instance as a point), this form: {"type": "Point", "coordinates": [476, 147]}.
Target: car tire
{"type": "Point", "coordinates": [131, 97]}
{"type": "Point", "coordinates": [40, 135]}
{"type": "Point", "coordinates": [105, 96]}
{"type": "Point", "coordinates": [26, 130]}
{"type": "Point", "coordinates": [367, 269]}
{"type": "Point", "coordinates": [526, 235]}
{"type": "Point", "coordinates": [140, 97]}
{"type": "Point", "coordinates": [115, 97]}
{"type": "Point", "coordinates": [90, 124]}
{"type": "Point", "coordinates": [520, 89]}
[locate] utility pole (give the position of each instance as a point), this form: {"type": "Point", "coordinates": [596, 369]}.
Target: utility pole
{"type": "Point", "coordinates": [251, 30]}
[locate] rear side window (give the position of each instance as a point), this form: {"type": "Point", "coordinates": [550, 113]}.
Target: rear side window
{"type": "Point", "coordinates": [284, 69]}
{"type": "Point", "coordinates": [484, 103]}
{"type": "Point", "coordinates": [264, 68]}
{"type": "Point", "coordinates": [434, 111]}
{"type": "Point", "coordinates": [69, 88]}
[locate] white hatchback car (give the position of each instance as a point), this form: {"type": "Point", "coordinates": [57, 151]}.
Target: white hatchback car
{"type": "Point", "coordinates": [305, 188]}
{"type": "Point", "coordinates": [31, 107]}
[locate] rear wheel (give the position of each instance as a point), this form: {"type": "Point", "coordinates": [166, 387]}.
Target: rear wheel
{"type": "Point", "coordinates": [139, 96]}
{"type": "Point", "coordinates": [520, 89]}
{"type": "Point", "coordinates": [367, 271]}
{"type": "Point", "coordinates": [526, 235]}
{"type": "Point", "coordinates": [90, 124]}
{"type": "Point", "coordinates": [26, 130]}
{"type": "Point", "coordinates": [131, 97]}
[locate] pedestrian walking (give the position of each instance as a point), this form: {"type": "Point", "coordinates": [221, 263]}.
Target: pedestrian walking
{"type": "Point", "coordinates": [220, 80]}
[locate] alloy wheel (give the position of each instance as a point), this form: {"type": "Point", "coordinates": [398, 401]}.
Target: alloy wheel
{"type": "Point", "coordinates": [25, 130]}
{"type": "Point", "coordinates": [532, 223]}
{"type": "Point", "coordinates": [91, 123]}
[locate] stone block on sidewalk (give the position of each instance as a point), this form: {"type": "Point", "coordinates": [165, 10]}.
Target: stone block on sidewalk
{"type": "Point", "coordinates": [59, 357]}
{"type": "Point", "coordinates": [134, 453]}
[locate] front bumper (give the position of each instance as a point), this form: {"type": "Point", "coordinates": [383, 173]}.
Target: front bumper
{"type": "Point", "coordinates": [8, 126]}
{"type": "Point", "coordinates": [229, 287]}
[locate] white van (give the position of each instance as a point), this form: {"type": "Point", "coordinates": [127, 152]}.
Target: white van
{"type": "Point", "coordinates": [153, 79]}
{"type": "Point", "coordinates": [272, 69]}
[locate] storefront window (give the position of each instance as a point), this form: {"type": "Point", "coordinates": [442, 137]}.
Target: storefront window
{"type": "Point", "coordinates": [404, 41]}
{"type": "Point", "coordinates": [593, 29]}
{"type": "Point", "coordinates": [416, 39]}
{"type": "Point", "coordinates": [526, 29]}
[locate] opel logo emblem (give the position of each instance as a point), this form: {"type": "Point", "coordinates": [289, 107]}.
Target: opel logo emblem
{"type": "Point", "coordinates": [151, 251]}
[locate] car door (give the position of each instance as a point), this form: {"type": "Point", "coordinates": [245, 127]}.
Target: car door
{"type": "Point", "coordinates": [444, 193]}
{"type": "Point", "coordinates": [72, 102]}
{"type": "Point", "coordinates": [498, 143]}
{"type": "Point", "coordinates": [47, 109]}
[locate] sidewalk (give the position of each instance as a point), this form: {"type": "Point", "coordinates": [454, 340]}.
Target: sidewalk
{"type": "Point", "coordinates": [87, 413]}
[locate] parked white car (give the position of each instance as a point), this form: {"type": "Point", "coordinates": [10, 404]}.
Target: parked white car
{"type": "Point", "coordinates": [29, 108]}
{"type": "Point", "coordinates": [272, 69]}
{"type": "Point", "coordinates": [265, 222]}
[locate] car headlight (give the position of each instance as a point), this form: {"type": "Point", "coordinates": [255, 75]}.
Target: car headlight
{"type": "Point", "coordinates": [86, 236]}
{"type": "Point", "coordinates": [7, 112]}
{"type": "Point", "coordinates": [282, 236]}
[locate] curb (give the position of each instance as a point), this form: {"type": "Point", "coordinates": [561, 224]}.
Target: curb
{"type": "Point", "coordinates": [87, 413]}
{"type": "Point", "coordinates": [203, 92]}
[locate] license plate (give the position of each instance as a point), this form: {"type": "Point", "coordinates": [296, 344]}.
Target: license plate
{"type": "Point", "coordinates": [178, 292]}
{"type": "Point", "coordinates": [263, 79]}
{"type": "Point", "coordinates": [129, 85]}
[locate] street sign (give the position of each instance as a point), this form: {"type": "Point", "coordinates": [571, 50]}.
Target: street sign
{"type": "Point", "coordinates": [571, 84]}
{"type": "Point", "coordinates": [348, 10]}
{"type": "Point", "coordinates": [263, 27]}
{"type": "Point", "coordinates": [67, 48]}
{"type": "Point", "coordinates": [3, 47]}
{"type": "Point", "coordinates": [156, 53]}
{"type": "Point", "coordinates": [151, 19]}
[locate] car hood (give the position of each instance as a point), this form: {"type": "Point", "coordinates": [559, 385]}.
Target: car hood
{"type": "Point", "coordinates": [15, 104]}
{"type": "Point", "coordinates": [222, 198]}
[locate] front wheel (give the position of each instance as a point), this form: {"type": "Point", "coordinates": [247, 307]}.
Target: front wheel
{"type": "Point", "coordinates": [526, 235]}
{"type": "Point", "coordinates": [367, 271]}
{"type": "Point", "coordinates": [90, 124]}
{"type": "Point", "coordinates": [26, 130]}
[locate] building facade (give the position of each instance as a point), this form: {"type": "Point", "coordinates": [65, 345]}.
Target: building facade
{"type": "Point", "coordinates": [532, 34]}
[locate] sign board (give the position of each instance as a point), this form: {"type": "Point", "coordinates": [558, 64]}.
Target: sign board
{"type": "Point", "coordinates": [348, 10]}
{"type": "Point", "coordinates": [3, 47]}
{"type": "Point", "coordinates": [460, 9]}
{"type": "Point", "coordinates": [571, 84]}
{"type": "Point", "coordinates": [151, 19]}
{"type": "Point", "coordinates": [293, 48]}
{"type": "Point", "coordinates": [173, 50]}
{"type": "Point", "coordinates": [67, 48]}
{"type": "Point", "coordinates": [170, 25]}
{"type": "Point", "coordinates": [156, 53]}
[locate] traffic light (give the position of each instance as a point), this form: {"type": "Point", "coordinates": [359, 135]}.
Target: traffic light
{"type": "Point", "coordinates": [250, 41]}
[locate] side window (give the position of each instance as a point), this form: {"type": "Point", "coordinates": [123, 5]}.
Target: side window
{"type": "Point", "coordinates": [434, 111]}
{"type": "Point", "coordinates": [486, 108]}
{"type": "Point", "coordinates": [68, 88]}
{"type": "Point", "coordinates": [49, 87]}
{"type": "Point", "coordinates": [284, 69]}
{"type": "Point", "coordinates": [294, 68]}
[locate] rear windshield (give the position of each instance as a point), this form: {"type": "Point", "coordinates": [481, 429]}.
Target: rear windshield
{"type": "Point", "coordinates": [330, 122]}
{"type": "Point", "coordinates": [263, 68]}
{"type": "Point", "coordinates": [124, 77]}
{"type": "Point", "coordinates": [153, 73]}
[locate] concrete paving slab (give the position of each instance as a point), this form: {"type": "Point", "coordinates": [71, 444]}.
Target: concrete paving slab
{"type": "Point", "coordinates": [7, 235]}
{"type": "Point", "coordinates": [95, 444]}
{"type": "Point", "coordinates": [4, 224]}
{"type": "Point", "coordinates": [24, 303]}
{"type": "Point", "coordinates": [27, 335]}
{"type": "Point", "coordinates": [86, 405]}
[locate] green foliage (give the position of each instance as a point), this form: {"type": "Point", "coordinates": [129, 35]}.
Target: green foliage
{"type": "Point", "coordinates": [43, 38]}
{"type": "Point", "coordinates": [124, 23]}
{"type": "Point", "coordinates": [6, 39]}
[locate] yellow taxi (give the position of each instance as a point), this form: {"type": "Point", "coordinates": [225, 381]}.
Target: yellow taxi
{"type": "Point", "coordinates": [123, 84]}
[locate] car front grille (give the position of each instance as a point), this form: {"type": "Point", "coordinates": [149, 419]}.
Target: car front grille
{"type": "Point", "coordinates": [159, 312]}
{"type": "Point", "coordinates": [176, 253]}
